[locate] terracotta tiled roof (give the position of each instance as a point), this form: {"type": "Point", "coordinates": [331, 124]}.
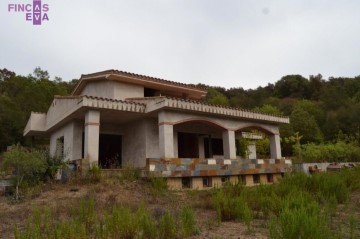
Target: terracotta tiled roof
{"type": "Point", "coordinates": [203, 103]}
{"type": "Point", "coordinates": [154, 79]}
{"type": "Point", "coordinates": [111, 100]}
{"type": "Point", "coordinates": [95, 98]}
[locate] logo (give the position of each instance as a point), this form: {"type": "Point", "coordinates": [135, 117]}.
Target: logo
{"type": "Point", "coordinates": [36, 12]}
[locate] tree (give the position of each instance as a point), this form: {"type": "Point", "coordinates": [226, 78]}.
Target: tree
{"type": "Point", "coordinates": [26, 166]}
{"type": "Point", "coordinates": [40, 74]}
{"type": "Point", "coordinates": [6, 74]}
{"type": "Point", "coordinates": [215, 97]}
{"type": "Point", "coordinates": [268, 109]}
{"type": "Point", "coordinates": [306, 125]}
{"type": "Point", "coordinates": [294, 86]}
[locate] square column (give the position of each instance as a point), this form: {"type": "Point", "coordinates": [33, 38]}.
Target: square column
{"type": "Point", "coordinates": [275, 148]}
{"type": "Point", "coordinates": [201, 147]}
{"type": "Point", "coordinates": [166, 140]}
{"type": "Point", "coordinates": [229, 144]}
{"type": "Point", "coordinates": [91, 141]}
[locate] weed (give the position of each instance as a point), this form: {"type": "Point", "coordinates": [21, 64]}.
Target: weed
{"type": "Point", "coordinates": [158, 186]}
{"type": "Point", "coordinates": [188, 222]}
{"type": "Point", "coordinates": [167, 226]}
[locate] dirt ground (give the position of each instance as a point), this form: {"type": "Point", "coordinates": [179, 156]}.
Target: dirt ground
{"type": "Point", "coordinates": [59, 197]}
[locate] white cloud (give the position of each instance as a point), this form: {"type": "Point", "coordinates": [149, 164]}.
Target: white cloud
{"type": "Point", "coordinates": [225, 43]}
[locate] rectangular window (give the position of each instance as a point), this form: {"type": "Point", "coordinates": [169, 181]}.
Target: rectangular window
{"type": "Point", "coordinates": [60, 147]}
{"type": "Point", "coordinates": [186, 182]}
{"type": "Point", "coordinates": [270, 178]}
{"type": "Point", "coordinates": [256, 178]}
{"type": "Point", "coordinates": [207, 182]}
{"type": "Point", "coordinates": [225, 179]}
{"type": "Point", "coordinates": [242, 179]}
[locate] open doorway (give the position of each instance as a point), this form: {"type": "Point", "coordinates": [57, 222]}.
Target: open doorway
{"type": "Point", "coordinates": [110, 151]}
{"type": "Point", "coordinates": [188, 145]}
{"type": "Point", "coordinates": [213, 146]}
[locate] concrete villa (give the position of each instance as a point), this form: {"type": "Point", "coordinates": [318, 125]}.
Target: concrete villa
{"type": "Point", "coordinates": [114, 118]}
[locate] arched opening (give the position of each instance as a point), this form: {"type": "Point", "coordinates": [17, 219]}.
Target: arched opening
{"type": "Point", "coordinates": [198, 138]}
{"type": "Point", "coordinates": [253, 142]}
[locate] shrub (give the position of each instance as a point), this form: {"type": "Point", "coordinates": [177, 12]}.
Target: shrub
{"type": "Point", "coordinates": [27, 167]}
{"type": "Point", "coordinates": [158, 185]}
{"type": "Point", "coordinates": [129, 173]}
{"type": "Point", "coordinates": [94, 174]}
{"type": "Point", "coordinates": [188, 222]}
{"type": "Point", "coordinates": [167, 226]}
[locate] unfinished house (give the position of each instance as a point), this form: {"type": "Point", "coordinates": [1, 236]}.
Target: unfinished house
{"type": "Point", "coordinates": [114, 118]}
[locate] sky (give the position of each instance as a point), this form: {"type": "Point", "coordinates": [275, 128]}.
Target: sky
{"type": "Point", "coordinates": [228, 43]}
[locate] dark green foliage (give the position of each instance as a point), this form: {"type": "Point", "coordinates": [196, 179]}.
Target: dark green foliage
{"type": "Point", "coordinates": [19, 95]}
{"type": "Point", "coordinates": [26, 167]}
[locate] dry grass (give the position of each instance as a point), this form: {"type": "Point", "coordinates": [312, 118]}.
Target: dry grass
{"type": "Point", "coordinates": [112, 190]}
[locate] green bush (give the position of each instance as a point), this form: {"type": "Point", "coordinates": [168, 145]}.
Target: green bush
{"type": "Point", "coordinates": [93, 175]}
{"type": "Point", "coordinates": [188, 222]}
{"type": "Point", "coordinates": [299, 223]}
{"type": "Point", "coordinates": [230, 204]}
{"type": "Point", "coordinates": [129, 173]}
{"type": "Point", "coordinates": [27, 167]}
{"type": "Point", "coordinates": [158, 185]}
{"type": "Point", "coordinates": [167, 226]}
{"type": "Point", "coordinates": [84, 221]}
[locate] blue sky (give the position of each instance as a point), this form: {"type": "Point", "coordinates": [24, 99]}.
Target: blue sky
{"type": "Point", "coordinates": [225, 43]}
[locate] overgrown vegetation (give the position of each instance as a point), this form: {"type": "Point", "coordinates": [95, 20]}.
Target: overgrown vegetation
{"type": "Point", "coordinates": [84, 221]}
{"type": "Point", "coordinates": [27, 167]}
{"type": "Point", "coordinates": [299, 206]}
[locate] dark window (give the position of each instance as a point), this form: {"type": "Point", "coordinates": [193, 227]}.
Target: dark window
{"type": "Point", "coordinates": [186, 182]}
{"type": "Point", "coordinates": [60, 151]}
{"type": "Point", "coordinates": [213, 147]}
{"type": "Point", "coordinates": [225, 179]}
{"type": "Point", "coordinates": [270, 178]}
{"type": "Point", "coordinates": [256, 178]}
{"type": "Point", "coordinates": [188, 145]}
{"type": "Point", "coordinates": [150, 92]}
{"type": "Point", "coordinates": [242, 179]}
{"type": "Point", "coordinates": [207, 182]}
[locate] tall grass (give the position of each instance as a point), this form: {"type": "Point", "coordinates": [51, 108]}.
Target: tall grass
{"type": "Point", "coordinates": [299, 206]}
{"type": "Point", "coordinates": [84, 221]}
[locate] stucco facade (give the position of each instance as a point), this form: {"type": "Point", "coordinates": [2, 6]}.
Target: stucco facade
{"type": "Point", "coordinates": [116, 118]}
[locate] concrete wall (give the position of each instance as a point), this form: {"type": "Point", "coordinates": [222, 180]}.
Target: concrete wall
{"type": "Point", "coordinates": [72, 133]}
{"type": "Point", "coordinates": [252, 150]}
{"type": "Point", "coordinates": [197, 183]}
{"type": "Point", "coordinates": [216, 182]}
{"type": "Point", "coordinates": [113, 90]}
{"type": "Point", "coordinates": [226, 123]}
{"type": "Point", "coordinates": [174, 183]}
{"type": "Point", "coordinates": [304, 167]}
{"type": "Point", "coordinates": [152, 138]}
{"type": "Point", "coordinates": [59, 109]}
{"type": "Point", "coordinates": [134, 144]}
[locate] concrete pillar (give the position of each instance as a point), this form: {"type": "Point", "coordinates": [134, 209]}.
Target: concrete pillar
{"type": "Point", "coordinates": [201, 147]}
{"type": "Point", "coordinates": [252, 150]}
{"type": "Point", "coordinates": [91, 141]}
{"type": "Point", "coordinates": [77, 141]}
{"type": "Point", "coordinates": [229, 144]}
{"type": "Point", "coordinates": [275, 148]}
{"type": "Point", "coordinates": [166, 140]}
{"type": "Point", "coordinates": [176, 150]}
